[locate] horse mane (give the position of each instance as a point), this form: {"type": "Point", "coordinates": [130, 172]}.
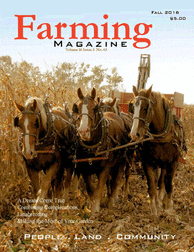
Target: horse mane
{"type": "Point", "coordinates": [107, 100]}
{"type": "Point", "coordinates": [40, 108]}
{"type": "Point", "coordinates": [161, 111]}
{"type": "Point", "coordinates": [59, 111]}
{"type": "Point", "coordinates": [157, 98]}
{"type": "Point", "coordinates": [58, 108]}
{"type": "Point", "coordinates": [160, 100]}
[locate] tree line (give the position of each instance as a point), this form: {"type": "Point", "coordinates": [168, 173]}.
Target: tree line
{"type": "Point", "coordinates": [67, 75]}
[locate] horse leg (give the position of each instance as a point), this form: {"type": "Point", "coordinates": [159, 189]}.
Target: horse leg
{"type": "Point", "coordinates": [46, 182]}
{"type": "Point", "coordinates": [68, 177]}
{"type": "Point", "coordinates": [76, 180]}
{"type": "Point", "coordinates": [99, 190]}
{"type": "Point", "coordinates": [170, 171]}
{"type": "Point", "coordinates": [89, 185]}
{"type": "Point", "coordinates": [152, 187]}
{"type": "Point", "coordinates": [34, 177]}
{"type": "Point", "coordinates": [161, 185]}
{"type": "Point", "coordinates": [108, 185]}
{"type": "Point", "coordinates": [59, 191]}
{"type": "Point", "coordinates": [127, 178]}
{"type": "Point", "coordinates": [116, 184]}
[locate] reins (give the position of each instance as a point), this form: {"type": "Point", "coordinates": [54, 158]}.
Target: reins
{"type": "Point", "coordinates": [151, 137]}
{"type": "Point", "coordinates": [125, 146]}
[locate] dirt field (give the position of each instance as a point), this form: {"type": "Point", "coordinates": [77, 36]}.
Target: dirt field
{"type": "Point", "coordinates": [127, 227]}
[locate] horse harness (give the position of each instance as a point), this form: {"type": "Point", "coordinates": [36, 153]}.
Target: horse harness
{"type": "Point", "coordinates": [50, 136]}
{"type": "Point", "coordinates": [168, 120]}
{"type": "Point", "coordinates": [151, 137]}
{"type": "Point", "coordinates": [105, 138]}
{"type": "Point", "coordinates": [146, 120]}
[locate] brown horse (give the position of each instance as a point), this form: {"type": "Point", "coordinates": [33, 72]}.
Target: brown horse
{"type": "Point", "coordinates": [99, 131]}
{"type": "Point", "coordinates": [109, 104]}
{"type": "Point", "coordinates": [152, 117]}
{"type": "Point", "coordinates": [43, 135]}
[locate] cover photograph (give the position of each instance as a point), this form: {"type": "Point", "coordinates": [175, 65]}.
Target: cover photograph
{"type": "Point", "coordinates": [96, 127]}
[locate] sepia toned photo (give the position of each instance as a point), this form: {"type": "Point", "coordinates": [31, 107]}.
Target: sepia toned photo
{"type": "Point", "coordinates": [97, 127]}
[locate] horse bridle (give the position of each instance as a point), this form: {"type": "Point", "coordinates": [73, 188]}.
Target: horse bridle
{"type": "Point", "coordinates": [38, 117]}
{"type": "Point", "coordinates": [28, 112]}
{"type": "Point", "coordinates": [85, 101]}
{"type": "Point", "coordinates": [94, 126]}
{"type": "Point", "coordinates": [146, 120]}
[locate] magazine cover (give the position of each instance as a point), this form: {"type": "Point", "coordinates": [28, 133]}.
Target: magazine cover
{"type": "Point", "coordinates": [96, 127]}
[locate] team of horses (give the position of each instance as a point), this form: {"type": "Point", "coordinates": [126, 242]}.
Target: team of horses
{"type": "Point", "coordinates": [96, 138]}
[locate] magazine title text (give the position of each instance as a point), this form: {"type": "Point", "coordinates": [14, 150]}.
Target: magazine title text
{"type": "Point", "coordinates": [45, 31]}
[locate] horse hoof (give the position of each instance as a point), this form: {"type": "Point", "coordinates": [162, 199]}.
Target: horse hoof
{"type": "Point", "coordinates": [160, 205]}
{"type": "Point", "coordinates": [168, 205]}
{"type": "Point", "coordinates": [110, 203]}
{"type": "Point", "coordinates": [154, 212]}
{"type": "Point", "coordinates": [95, 209]}
{"type": "Point", "coordinates": [170, 211]}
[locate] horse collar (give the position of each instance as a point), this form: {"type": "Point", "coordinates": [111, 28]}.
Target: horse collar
{"type": "Point", "coordinates": [49, 124]}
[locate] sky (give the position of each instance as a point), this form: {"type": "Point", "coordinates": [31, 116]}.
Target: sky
{"type": "Point", "coordinates": [171, 49]}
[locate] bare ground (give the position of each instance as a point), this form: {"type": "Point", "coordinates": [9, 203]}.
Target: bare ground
{"type": "Point", "coordinates": [129, 226]}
